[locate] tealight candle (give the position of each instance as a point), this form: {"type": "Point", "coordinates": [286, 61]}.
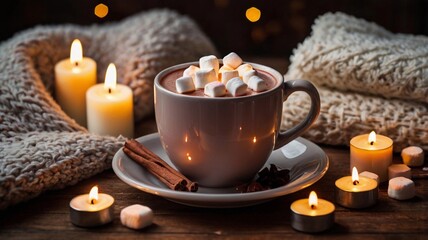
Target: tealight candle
{"type": "Point", "coordinates": [356, 191]}
{"type": "Point", "coordinates": [93, 209]}
{"type": "Point", "coordinates": [312, 214]}
{"type": "Point", "coordinates": [73, 77]}
{"type": "Point", "coordinates": [110, 107]}
{"type": "Point", "coordinates": [373, 153]}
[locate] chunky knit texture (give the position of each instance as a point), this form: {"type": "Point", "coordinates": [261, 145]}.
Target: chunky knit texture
{"type": "Point", "coordinates": [368, 78]}
{"type": "Point", "coordinates": [41, 148]}
{"type": "Point", "coordinates": [347, 53]}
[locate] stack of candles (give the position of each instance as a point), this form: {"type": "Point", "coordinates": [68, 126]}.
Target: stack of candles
{"type": "Point", "coordinates": [106, 109]}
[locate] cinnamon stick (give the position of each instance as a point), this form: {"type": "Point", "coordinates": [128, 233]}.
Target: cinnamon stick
{"type": "Point", "coordinates": [144, 153]}
{"type": "Point", "coordinates": [172, 181]}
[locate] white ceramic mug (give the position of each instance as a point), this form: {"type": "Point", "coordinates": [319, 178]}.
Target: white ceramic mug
{"type": "Point", "coordinates": [224, 141]}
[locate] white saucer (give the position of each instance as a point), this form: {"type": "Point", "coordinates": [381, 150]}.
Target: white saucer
{"type": "Point", "coordinates": [307, 163]}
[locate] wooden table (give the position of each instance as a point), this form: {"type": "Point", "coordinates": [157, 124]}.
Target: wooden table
{"type": "Point", "coordinates": [47, 216]}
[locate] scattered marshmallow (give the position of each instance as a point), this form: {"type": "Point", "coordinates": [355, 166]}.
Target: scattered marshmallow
{"type": "Point", "coordinates": [232, 60]}
{"type": "Point", "coordinates": [227, 75]}
{"type": "Point", "coordinates": [236, 87]}
{"type": "Point", "coordinates": [210, 61]}
{"type": "Point", "coordinates": [257, 84]}
{"type": "Point", "coordinates": [244, 68]}
{"type": "Point", "coordinates": [401, 188]}
{"type": "Point", "coordinates": [185, 84]}
{"type": "Point", "coordinates": [247, 75]}
{"type": "Point", "coordinates": [370, 175]}
{"type": "Point", "coordinates": [204, 76]}
{"type": "Point", "coordinates": [190, 71]}
{"type": "Point", "coordinates": [136, 216]}
{"type": "Point", "coordinates": [413, 156]}
{"type": "Point", "coordinates": [215, 89]}
{"type": "Point", "coordinates": [399, 170]}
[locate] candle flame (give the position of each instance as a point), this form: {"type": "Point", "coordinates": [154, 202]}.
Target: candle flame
{"type": "Point", "coordinates": [313, 200]}
{"type": "Point", "coordinates": [254, 140]}
{"type": "Point", "coordinates": [76, 52]}
{"type": "Point", "coordinates": [93, 195]}
{"type": "Point", "coordinates": [111, 76]}
{"type": "Point", "coordinates": [372, 137]}
{"type": "Point", "coordinates": [355, 178]}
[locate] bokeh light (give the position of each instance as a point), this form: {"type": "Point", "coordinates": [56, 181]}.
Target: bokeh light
{"type": "Point", "coordinates": [253, 14]}
{"type": "Point", "coordinates": [101, 10]}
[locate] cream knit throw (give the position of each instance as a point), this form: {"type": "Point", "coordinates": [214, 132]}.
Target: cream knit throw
{"type": "Point", "coordinates": [41, 148]}
{"type": "Point", "coordinates": [368, 78]}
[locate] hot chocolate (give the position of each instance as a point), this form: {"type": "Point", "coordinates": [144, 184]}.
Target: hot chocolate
{"type": "Point", "coordinates": [168, 82]}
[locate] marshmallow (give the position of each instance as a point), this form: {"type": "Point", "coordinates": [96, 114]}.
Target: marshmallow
{"type": "Point", "coordinates": [227, 75]}
{"type": "Point", "coordinates": [236, 87]}
{"type": "Point", "coordinates": [257, 84]}
{"type": "Point", "coordinates": [413, 156]}
{"type": "Point", "coordinates": [225, 68]}
{"type": "Point", "coordinates": [370, 175]}
{"type": "Point", "coordinates": [232, 60]}
{"type": "Point", "coordinates": [190, 71]}
{"type": "Point", "coordinates": [244, 68]}
{"type": "Point", "coordinates": [204, 76]}
{"type": "Point", "coordinates": [185, 84]}
{"type": "Point", "coordinates": [215, 89]}
{"type": "Point", "coordinates": [399, 170]}
{"type": "Point", "coordinates": [136, 216]}
{"type": "Point", "coordinates": [209, 62]}
{"type": "Point", "coordinates": [401, 188]}
{"type": "Point", "coordinates": [247, 75]}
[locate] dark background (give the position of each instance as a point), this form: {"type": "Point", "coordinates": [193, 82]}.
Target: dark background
{"type": "Point", "coordinates": [283, 23]}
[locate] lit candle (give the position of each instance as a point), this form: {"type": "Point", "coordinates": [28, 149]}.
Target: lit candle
{"type": "Point", "coordinates": [93, 209]}
{"type": "Point", "coordinates": [373, 153]}
{"type": "Point", "coordinates": [73, 77]}
{"type": "Point", "coordinates": [110, 107]}
{"type": "Point", "coordinates": [312, 214]}
{"type": "Point", "coordinates": [356, 191]}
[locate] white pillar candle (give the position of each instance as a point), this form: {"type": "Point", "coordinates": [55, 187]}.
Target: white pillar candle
{"type": "Point", "coordinates": [373, 153]}
{"type": "Point", "coordinates": [110, 107]}
{"type": "Point", "coordinates": [73, 77]}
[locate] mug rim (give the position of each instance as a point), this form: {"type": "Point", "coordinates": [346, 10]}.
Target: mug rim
{"type": "Point", "coordinates": [257, 66]}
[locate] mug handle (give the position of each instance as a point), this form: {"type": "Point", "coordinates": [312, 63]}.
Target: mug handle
{"type": "Point", "coordinates": [289, 87]}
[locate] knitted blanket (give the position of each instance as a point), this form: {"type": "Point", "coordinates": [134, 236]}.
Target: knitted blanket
{"type": "Point", "coordinates": [41, 148]}
{"type": "Point", "coordinates": [368, 78]}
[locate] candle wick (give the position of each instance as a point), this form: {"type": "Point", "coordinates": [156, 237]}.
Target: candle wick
{"type": "Point", "coordinates": [313, 206]}
{"type": "Point", "coordinates": [356, 182]}
{"type": "Point", "coordinates": [76, 63]}
{"type": "Point", "coordinates": [372, 142]}
{"type": "Point", "coordinates": [109, 90]}
{"type": "Point", "coordinates": [92, 201]}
